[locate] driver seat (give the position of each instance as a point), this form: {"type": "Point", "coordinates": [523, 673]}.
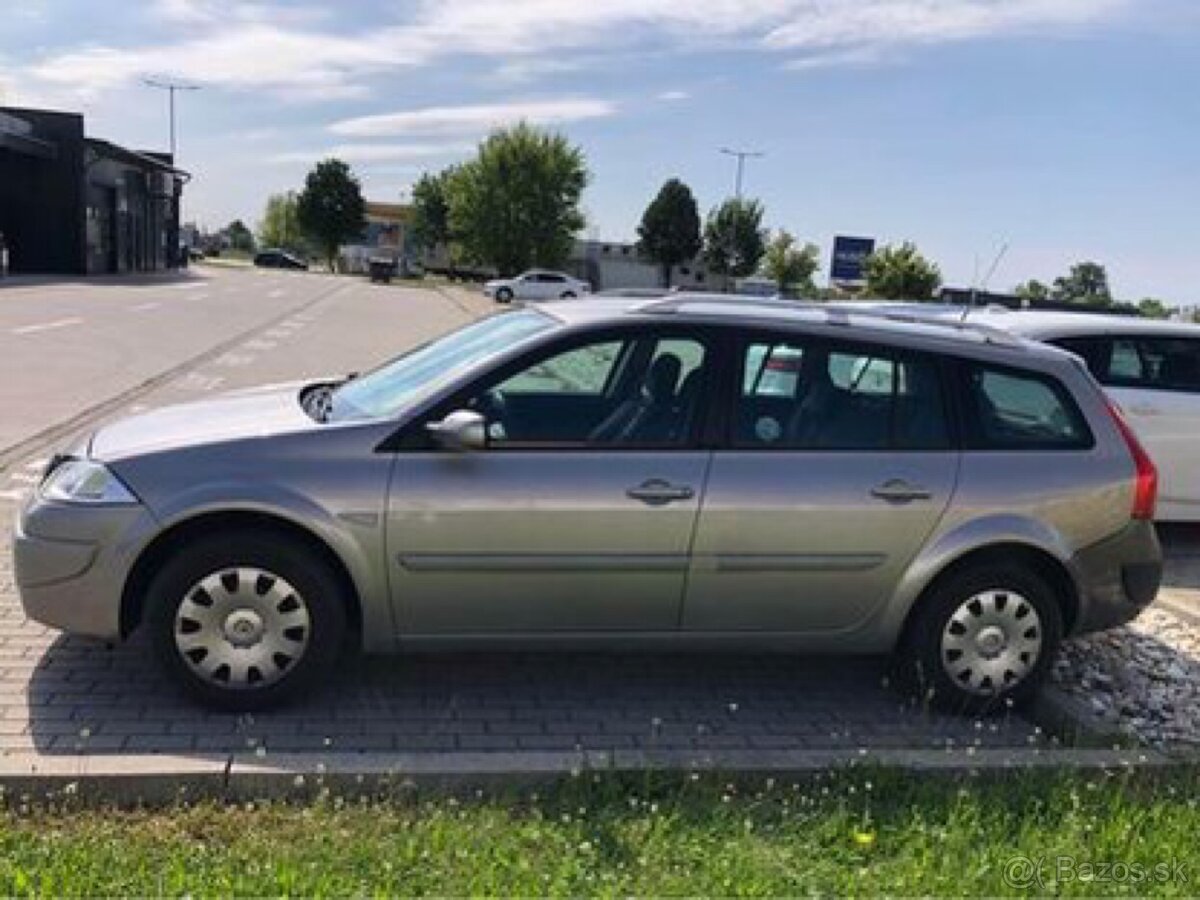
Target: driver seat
{"type": "Point", "coordinates": [647, 415]}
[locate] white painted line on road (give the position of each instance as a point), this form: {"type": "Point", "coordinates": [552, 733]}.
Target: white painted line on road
{"type": "Point", "coordinates": [13, 495]}
{"type": "Point", "coordinates": [24, 478]}
{"type": "Point", "coordinates": [38, 464]}
{"type": "Point", "coordinates": [189, 286]}
{"type": "Point", "coordinates": [144, 306]}
{"type": "Point", "coordinates": [198, 298]}
{"type": "Point", "coordinates": [47, 326]}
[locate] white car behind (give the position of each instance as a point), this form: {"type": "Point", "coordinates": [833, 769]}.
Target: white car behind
{"type": "Point", "coordinates": [1151, 368]}
{"type": "Point", "coordinates": [536, 284]}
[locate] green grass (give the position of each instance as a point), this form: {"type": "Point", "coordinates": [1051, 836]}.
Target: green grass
{"type": "Point", "coordinates": [856, 832]}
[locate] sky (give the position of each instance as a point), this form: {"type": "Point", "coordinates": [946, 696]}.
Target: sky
{"type": "Point", "coordinates": [1060, 129]}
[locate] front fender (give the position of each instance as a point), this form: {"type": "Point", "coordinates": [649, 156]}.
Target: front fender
{"type": "Point", "coordinates": [355, 538]}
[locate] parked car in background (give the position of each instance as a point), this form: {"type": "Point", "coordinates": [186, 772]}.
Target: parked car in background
{"type": "Point", "coordinates": [687, 472]}
{"type": "Point", "coordinates": [536, 284]}
{"type": "Point", "coordinates": [278, 259]}
{"type": "Point", "coordinates": [1151, 368]}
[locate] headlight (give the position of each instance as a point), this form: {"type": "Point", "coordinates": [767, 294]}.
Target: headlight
{"type": "Point", "coordinates": [85, 481]}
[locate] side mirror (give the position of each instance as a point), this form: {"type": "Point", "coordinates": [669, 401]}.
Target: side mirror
{"type": "Point", "coordinates": [462, 430]}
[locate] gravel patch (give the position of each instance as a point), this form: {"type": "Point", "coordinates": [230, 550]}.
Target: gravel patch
{"type": "Point", "coordinates": [1142, 679]}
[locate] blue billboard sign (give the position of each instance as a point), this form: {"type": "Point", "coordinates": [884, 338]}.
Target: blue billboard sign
{"type": "Point", "coordinates": [849, 256]}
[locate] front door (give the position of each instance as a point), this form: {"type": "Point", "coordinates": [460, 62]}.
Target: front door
{"type": "Point", "coordinates": [578, 517]}
{"type": "Point", "coordinates": [839, 466]}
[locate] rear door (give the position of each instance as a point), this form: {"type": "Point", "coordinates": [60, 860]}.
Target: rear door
{"type": "Point", "coordinates": [1156, 382]}
{"type": "Point", "coordinates": [840, 462]}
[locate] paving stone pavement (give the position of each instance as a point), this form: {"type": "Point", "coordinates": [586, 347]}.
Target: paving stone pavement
{"type": "Point", "coordinates": [62, 695]}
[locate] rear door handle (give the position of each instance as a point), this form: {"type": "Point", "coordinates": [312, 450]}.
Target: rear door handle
{"type": "Point", "coordinates": [900, 491]}
{"type": "Point", "coordinates": [657, 492]}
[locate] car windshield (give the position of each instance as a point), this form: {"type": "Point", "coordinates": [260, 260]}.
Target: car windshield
{"type": "Point", "coordinates": [409, 378]}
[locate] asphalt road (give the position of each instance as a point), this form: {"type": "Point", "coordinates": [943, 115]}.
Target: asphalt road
{"type": "Point", "coordinates": [68, 349]}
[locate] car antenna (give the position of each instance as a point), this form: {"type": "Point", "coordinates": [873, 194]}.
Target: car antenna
{"type": "Point", "coordinates": [975, 289]}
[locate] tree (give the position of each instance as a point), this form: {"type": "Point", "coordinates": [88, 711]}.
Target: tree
{"type": "Point", "coordinates": [240, 237]}
{"type": "Point", "coordinates": [1153, 308]}
{"type": "Point", "coordinates": [516, 204]}
{"type": "Point", "coordinates": [331, 208]}
{"type": "Point", "coordinates": [901, 273]}
{"type": "Point", "coordinates": [791, 267]}
{"type": "Point", "coordinates": [1086, 283]}
{"type": "Point", "coordinates": [280, 225]}
{"type": "Point", "coordinates": [431, 209]}
{"type": "Point", "coordinates": [670, 231]}
{"type": "Point", "coordinates": [1032, 290]}
{"type": "Point", "coordinates": [734, 239]}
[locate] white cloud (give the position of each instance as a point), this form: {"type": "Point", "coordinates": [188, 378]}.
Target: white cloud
{"type": "Point", "coordinates": [370, 153]}
{"type": "Point", "coordinates": [470, 120]}
{"type": "Point", "coordinates": [674, 96]}
{"type": "Point", "coordinates": [827, 24]}
{"type": "Point", "coordinates": [290, 48]}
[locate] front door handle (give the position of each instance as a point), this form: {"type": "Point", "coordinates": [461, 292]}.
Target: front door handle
{"type": "Point", "coordinates": [899, 491]}
{"type": "Point", "coordinates": [657, 492]}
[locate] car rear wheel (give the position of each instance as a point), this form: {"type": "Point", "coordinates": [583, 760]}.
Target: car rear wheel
{"type": "Point", "coordinates": [244, 621]}
{"type": "Point", "coordinates": [982, 639]}
{"type": "Point", "coordinates": [568, 295]}
{"type": "Point", "coordinates": [504, 295]}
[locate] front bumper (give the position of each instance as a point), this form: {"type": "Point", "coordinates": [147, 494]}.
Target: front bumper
{"type": "Point", "coordinates": [1118, 577]}
{"type": "Point", "coordinates": [71, 563]}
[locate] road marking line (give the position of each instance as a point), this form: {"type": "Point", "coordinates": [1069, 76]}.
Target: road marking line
{"type": "Point", "coordinates": [191, 286]}
{"type": "Point", "coordinates": [144, 306]}
{"type": "Point", "coordinates": [14, 495]}
{"type": "Point", "coordinates": [47, 326]}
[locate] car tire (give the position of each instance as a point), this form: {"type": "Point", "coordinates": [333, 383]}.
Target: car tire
{"type": "Point", "coordinates": [246, 602]}
{"type": "Point", "coordinates": [568, 295]}
{"type": "Point", "coordinates": [504, 295]}
{"type": "Point", "coordinates": [981, 639]}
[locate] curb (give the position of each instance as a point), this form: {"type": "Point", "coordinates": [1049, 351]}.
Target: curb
{"type": "Point", "coordinates": [1074, 722]}
{"type": "Point", "coordinates": [161, 780]}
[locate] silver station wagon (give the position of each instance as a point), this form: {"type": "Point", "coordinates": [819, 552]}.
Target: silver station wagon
{"type": "Point", "coordinates": [689, 472]}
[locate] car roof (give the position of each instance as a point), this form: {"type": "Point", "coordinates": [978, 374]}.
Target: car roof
{"type": "Point", "coordinates": [1043, 324]}
{"type": "Point", "coordinates": [898, 324]}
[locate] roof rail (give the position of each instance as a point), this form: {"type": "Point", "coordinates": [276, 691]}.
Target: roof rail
{"type": "Point", "coordinates": [836, 314]}
{"type": "Point", "coordinates": [989, 333]}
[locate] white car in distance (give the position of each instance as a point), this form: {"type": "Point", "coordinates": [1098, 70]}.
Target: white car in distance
{"type": "Point", "coordinates": [1151, 368]}
{"type": "Point", "coordinates": [536, 284]}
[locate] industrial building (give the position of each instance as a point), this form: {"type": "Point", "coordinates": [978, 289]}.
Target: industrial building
{"type": "Point", "coordinates": [76, 205]}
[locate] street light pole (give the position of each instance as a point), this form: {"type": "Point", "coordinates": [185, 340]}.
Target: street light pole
{"type": "Point", "coordinates": [741, 156]}
{"type": "Point", "coordinates": [170, 87]}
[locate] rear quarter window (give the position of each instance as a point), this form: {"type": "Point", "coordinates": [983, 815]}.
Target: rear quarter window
{"type": "Point", "coordinates": [1013, 409]}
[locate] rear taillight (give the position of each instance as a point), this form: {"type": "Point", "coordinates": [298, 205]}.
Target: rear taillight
{"type": "Point", "coordinates": [1145, 485]}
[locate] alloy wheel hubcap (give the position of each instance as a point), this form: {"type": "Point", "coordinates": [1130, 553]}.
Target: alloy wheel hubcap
{"type": "Point", "coordinates": [992, 642]}
{"type": "Point", "coordinates": [242, 628]}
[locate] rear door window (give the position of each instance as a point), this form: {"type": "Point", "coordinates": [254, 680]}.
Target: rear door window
{"type": "Point", "coordinates": [1008, 409]}
{"type": "Point", "coordinates": [809, 396]}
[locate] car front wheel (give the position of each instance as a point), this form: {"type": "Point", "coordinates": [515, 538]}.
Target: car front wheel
{"type": "Point", "coordinates": [504, 295]}
{"type": "Point", "coordinates": [983, 638]}
{"type": "Point", "coordinates": [245, 621]}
